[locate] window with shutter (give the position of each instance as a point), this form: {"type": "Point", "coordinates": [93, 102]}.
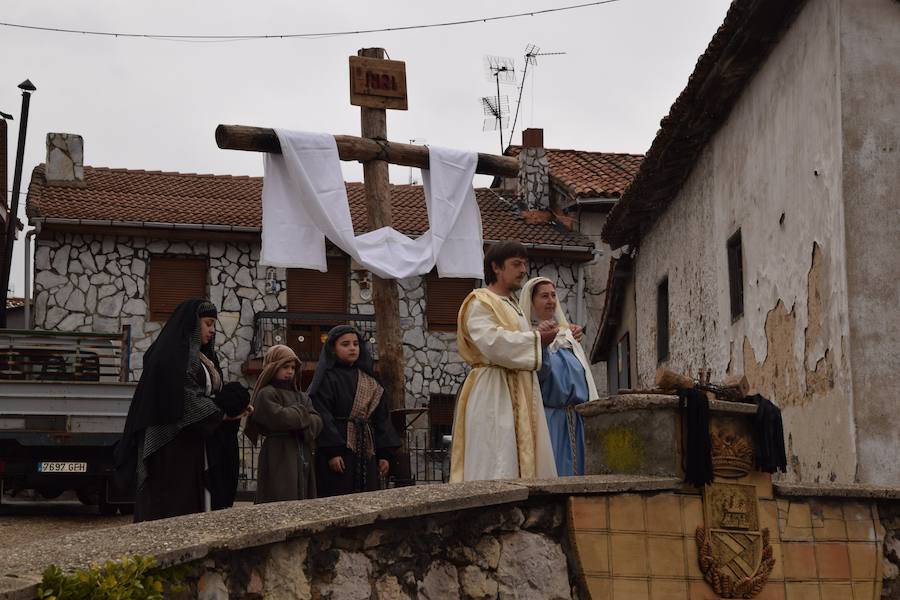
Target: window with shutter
{"type": "Point", "coordinates": [316, 292]}
{"type": "Point", "coordinates": [311, 291]}
{"type": "Point", "coordinates": [443, 297]}
{"type": "Point", "coordinates": [173, 279]}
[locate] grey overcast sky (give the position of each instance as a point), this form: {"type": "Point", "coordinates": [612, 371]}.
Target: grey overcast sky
{"type": "Point", "coordinates": [151, 104]}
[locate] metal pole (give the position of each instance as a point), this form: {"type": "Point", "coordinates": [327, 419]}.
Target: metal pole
{"type": "Point", "coordinates": [27, 87]}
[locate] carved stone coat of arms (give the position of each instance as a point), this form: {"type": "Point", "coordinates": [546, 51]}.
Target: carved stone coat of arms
{"type": "Point", "coordinates": [735, 555]}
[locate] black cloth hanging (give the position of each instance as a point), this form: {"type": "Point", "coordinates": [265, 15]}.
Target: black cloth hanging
{"type": "Point", "coordinates": [768, 436]}
{"type": "Point", "coordinates": [698, 452]}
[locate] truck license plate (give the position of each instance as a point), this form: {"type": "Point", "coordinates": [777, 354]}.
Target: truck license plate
{"type": "Point", "coordinates": [62, 467]}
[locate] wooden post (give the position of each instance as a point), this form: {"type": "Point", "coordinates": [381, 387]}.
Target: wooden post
{"type": "Point", "coordinates": [386, 298]}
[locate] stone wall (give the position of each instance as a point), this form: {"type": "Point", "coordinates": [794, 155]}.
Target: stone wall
{"type": "Point", "coordinates": [99, 283]}
{"type": "Point", "coordinates": [476, 540]}
{"type": "Point", "coordinates": [509, 552]}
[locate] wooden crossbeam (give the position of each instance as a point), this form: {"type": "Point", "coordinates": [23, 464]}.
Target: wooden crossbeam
{"type": "Point", "coordinates": [353, 148]}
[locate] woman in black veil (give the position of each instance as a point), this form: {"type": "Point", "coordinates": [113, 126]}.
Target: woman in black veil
{"type": "Point", "coordinates": [172, 417]}
{"type": "Point", "coordinates": [357, 439]}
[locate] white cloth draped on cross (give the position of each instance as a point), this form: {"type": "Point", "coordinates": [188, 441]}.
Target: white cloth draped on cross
{"type": "Point", "coordinates": [305, 201]}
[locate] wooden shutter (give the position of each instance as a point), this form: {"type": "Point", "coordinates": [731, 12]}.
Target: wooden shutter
{"type": "Point", "coordinates": [443, 297]}
{"type": "Point", "coordinates": [316, 292]}
{"type": "Point", "coordinates": [172, 280]}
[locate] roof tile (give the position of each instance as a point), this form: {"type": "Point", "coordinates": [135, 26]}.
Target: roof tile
{"type": "Point", "coordinates": [590, 174]}
{"type": "Point", "coordinates": [187, 198]}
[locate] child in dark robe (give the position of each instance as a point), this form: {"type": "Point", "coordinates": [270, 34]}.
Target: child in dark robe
{"type": "Point", "coordinates": [357, 439]}
{"type": "Point", "coordinates": [289, 423]}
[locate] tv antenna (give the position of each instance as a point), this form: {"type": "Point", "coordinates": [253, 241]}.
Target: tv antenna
{"type": "Point", "coordinates": [531, 55]}
{"type": "Point", "coordinates": [501, 70]}
{"type": "Point", "coordinates": [412, 180]}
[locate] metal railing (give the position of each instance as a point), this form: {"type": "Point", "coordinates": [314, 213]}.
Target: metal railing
{"type": "Point", "coordinates": [428, 463]}
{"type": "Point", "coordinates": [30, 355]}
{"type": "Point", "coordinates": [305, 332]}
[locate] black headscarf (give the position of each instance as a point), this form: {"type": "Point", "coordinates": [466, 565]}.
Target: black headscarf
{"type": "Point", "coordinates": [328, 358]}
{"type": "Point", "coordinates": [159, 397]}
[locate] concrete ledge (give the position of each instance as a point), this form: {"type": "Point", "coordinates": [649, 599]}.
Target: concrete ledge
{"type": "Point", "coordinates": [628, 402]}
{"type": "Point", "coordinates": [193, 537]}
{"type": "Point", "coordinates": [600, 484]}
{"type": "Point", "coordinates": [18, 588]}
{"type": "Point", "coordinates": [837, 490]}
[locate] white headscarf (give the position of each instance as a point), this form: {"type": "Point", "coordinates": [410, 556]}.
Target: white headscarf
{"type": "Point", "coordinates": [564, 339]}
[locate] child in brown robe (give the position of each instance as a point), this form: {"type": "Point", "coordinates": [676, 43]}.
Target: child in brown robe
{"type": "Point", "coordinates": [289, 423]}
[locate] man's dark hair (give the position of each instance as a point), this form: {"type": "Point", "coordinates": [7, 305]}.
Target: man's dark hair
{"type": "Point", "coordinates": [497, 255]}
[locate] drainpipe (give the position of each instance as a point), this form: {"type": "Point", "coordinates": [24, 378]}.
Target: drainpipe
{"type": "Point", "coordinates": [27, 294]}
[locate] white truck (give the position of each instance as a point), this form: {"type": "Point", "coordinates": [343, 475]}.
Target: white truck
{"type": "Point", "coordinates": [63, 402]}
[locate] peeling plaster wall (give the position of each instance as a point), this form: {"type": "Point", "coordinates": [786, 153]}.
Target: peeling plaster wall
{"type": "Point", "coordinates": [870, 89]}
{"type": "Point", "coordinates": [774, 171]}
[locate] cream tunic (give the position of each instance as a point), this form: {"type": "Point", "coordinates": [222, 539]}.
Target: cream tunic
{"type": "Point", "coordinates": [490, 438]}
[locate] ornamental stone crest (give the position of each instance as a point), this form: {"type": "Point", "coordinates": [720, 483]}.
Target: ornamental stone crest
{"type": "Point", "coordinates": [735, 555]}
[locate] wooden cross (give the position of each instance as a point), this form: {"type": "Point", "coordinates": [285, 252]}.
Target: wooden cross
{"type": "Point", "coordinates": [375, 87]}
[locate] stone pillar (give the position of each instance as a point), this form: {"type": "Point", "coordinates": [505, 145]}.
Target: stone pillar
{"type": "Point", "coordinates": [65, 159]}
{"type": "Point", "coordinates": [534, 171]}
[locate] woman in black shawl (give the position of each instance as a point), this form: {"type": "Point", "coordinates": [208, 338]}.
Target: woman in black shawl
{"type": "Point", "coordinates": [357, 439]}
{"type": "Point", "coordinates": [172, 416]}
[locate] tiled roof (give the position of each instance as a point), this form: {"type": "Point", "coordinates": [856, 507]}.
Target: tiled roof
{"type": "Point", "coordinates": [15, 302]}
{"type": "Point", "coordinates": [586, 174]}
{"type": "Point", "coordinates": [159, 197]}
{"type": "Point", "coordinates": [739, 47]}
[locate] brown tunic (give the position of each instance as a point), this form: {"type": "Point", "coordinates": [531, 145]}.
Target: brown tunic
{"type": "Point", "coordinates": [290, 425]}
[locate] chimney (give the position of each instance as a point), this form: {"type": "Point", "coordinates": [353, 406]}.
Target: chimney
{"type": "Point", "coordinates": [65, 160]}
{"type": "Point", "coordinates": [534, 171]}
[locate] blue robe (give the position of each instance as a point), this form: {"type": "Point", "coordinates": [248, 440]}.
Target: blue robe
{"type": "Point", "coordinates": [563, 384]}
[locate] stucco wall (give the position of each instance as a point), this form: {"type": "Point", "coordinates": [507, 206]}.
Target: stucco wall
{"type": "Point", "coordinates": [870, 91]}
{"type": "Point", "coordinates": [774, 171]}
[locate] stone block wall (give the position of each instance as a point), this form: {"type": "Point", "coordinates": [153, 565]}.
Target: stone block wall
{"type": "Point", "coordinates": [509, 552]}
{"type": "Point", "coordinates": [98, 284]}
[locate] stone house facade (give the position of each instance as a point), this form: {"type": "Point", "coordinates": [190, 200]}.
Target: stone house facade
{"type": "Point", "coordinates": [103, 237]}
{"type": "Point", "coordinates": [760, 234]}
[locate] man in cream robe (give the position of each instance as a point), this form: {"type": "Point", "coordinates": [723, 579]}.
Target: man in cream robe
{"type": "Point", "coordinates": [500, 429]}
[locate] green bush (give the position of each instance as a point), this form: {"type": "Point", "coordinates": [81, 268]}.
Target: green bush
{"type": "Point", "coordinates": [132, 578]}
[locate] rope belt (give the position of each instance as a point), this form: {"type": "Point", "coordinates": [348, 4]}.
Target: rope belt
{"type": "Point", "coordinates": [573, 437]}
